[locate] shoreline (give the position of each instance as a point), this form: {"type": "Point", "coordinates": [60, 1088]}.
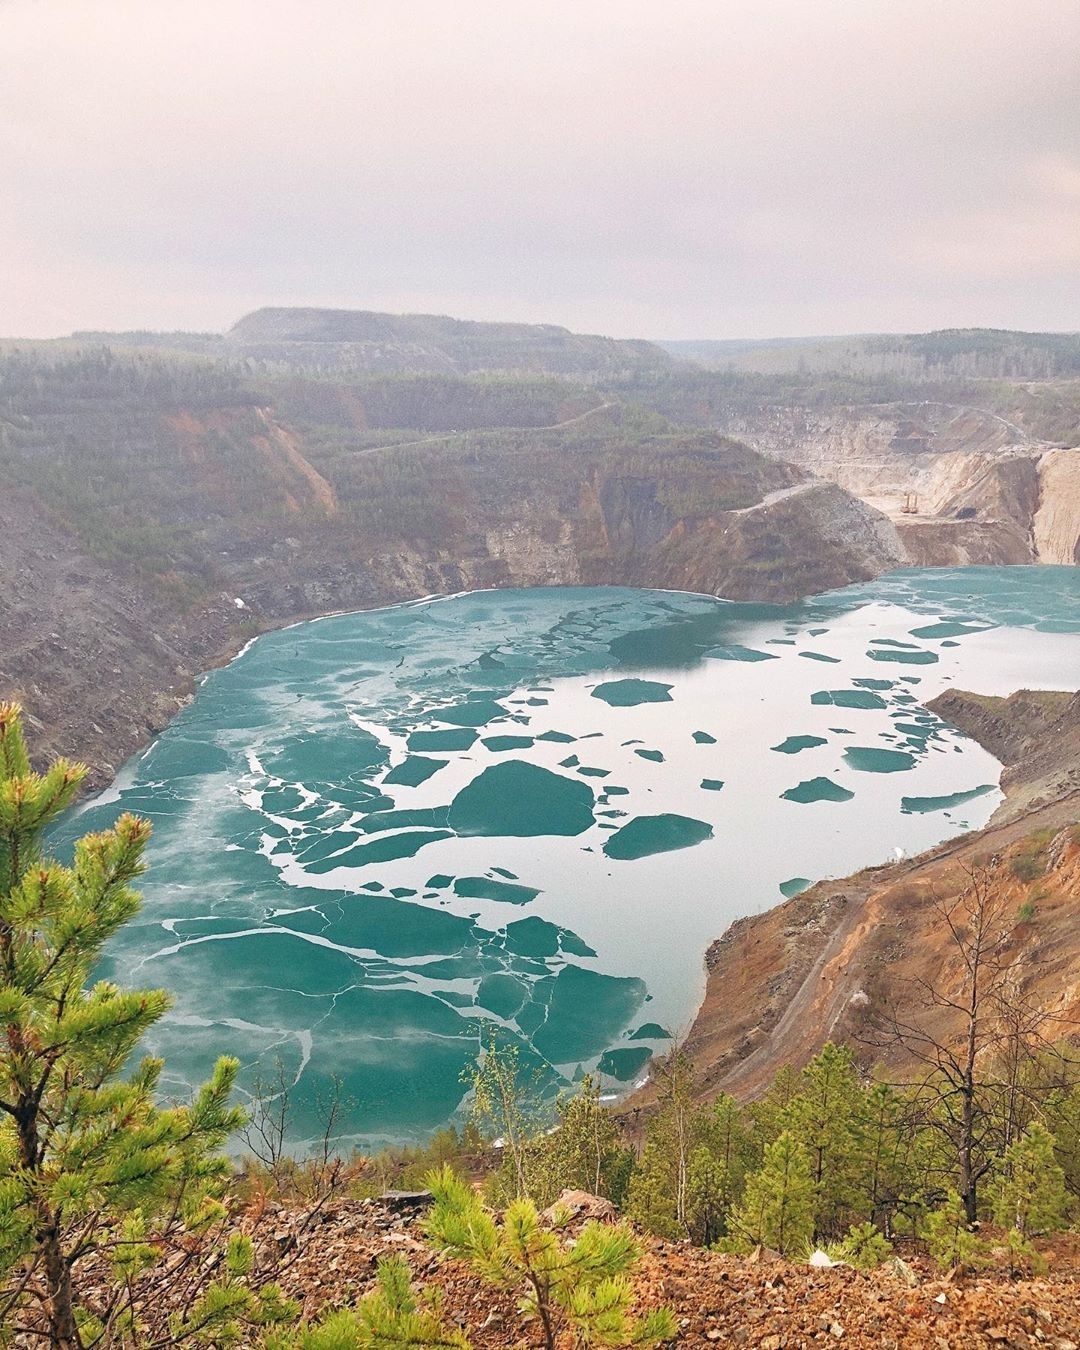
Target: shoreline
{"type": "Point", "coordinates": [184, 691]}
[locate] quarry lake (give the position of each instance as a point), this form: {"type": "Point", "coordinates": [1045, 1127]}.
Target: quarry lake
{"type": "Point", "coordinates": [378, 834]}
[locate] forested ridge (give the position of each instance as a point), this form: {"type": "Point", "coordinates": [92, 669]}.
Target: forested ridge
{"type": "Point", "coordinates": [947, 353]}
{"type": "Point", "coordinates": [122, 437]}
{"type": "Point", "coordinates": [162, 506]}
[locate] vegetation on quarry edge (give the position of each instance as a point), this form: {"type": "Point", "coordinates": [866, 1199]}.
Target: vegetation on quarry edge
{"type": "Point", "coordinates": [119, 1215]}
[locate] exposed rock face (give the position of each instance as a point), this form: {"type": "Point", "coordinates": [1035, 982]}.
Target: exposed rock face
{"type": "Point", "coordinates": [1035, 734]}
{"type": "Point", "coordinates": [983, 491]}
{"type": "Point", "coordinates": [1056, 525]}
{"type": "Point", "coordinates": [781, 984]}
{"type": "Point", "coordinates": [1010, 728]}
{"type": "Point", "coordinates": [101, 654]}
{"type": "Point", "coordinates": [801, 544]}
{"type": "Point", "coordinates": [97, 660]}
{"type": "Point", "coordinates": [940, 542]}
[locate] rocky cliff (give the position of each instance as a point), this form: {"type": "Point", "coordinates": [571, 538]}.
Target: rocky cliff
{"type": "Point", "coordinates": [156, 518]}
{"type": "Point", "coordinates": [1034, 732]}
{"type": "Point", "coordinates": [964, 485]}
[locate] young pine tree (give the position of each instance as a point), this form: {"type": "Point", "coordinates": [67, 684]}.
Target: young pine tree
{"type": "Point", "coordinates": [1061, 1112]}
{"type": "Point", "coordinates": [88, 1163]}
{"type": "Point", "coordinates": [709, 1196]}
{"type": "Point", "coordinates": [828, 1118]}
{"type": "Point", "coordinates": [889, 1178]}
{"type": "Point", "coordinates": [578, 1292]}
{"type": "Point", "coordinates": [1030, 1194]}
{"type": "Point", "coordinates": [391, 1315]}
{"type": "Point", "coordinates": [770, 1115]}
{"type": "Point", "coordinates": [778, 1207]}
{"type": "Point", "coordinates": [949, 1238]}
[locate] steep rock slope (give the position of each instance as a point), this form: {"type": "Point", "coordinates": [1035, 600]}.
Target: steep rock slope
{"type": "Point", "coordinates": [1056, 523]}
{"type": "Point", "coordinates": [964, 485]}
{"type": "Point", "coordinates": [99, 659]}
{"type": "Point", "coordinates": [1035, 734]}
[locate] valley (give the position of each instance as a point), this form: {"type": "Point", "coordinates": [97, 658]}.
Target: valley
{"type": "Point", "coordinates": [169, 497]}
{"type": "Point", "coordinates": [474, 679]}
{"type": "Point", "coordinates": [172, 496]}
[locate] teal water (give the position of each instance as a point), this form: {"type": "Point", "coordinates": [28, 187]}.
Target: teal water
{"type": "Point", "coordinates": [378, 834]}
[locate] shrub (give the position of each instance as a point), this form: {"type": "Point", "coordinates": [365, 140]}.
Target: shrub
{"type": "Point", "coordinates": [581, 1289]}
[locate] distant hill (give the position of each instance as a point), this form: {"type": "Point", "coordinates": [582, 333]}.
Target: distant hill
{"type": "Point", "coordinates": [343, 340]}
{"type": "Point", "coordinates": [348, 342]}
{"type": "Point", "coordinates": [949, 353]}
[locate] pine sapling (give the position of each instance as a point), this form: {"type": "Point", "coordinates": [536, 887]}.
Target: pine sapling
{"type": "Point", "coordinates": [865, 1247]}
{"type": "Point", "coordinates": [90, 1165]}
{"type": "Point", "coordinates": [390, 1317]}
{"type": "Point", "coordinates": [949, 1238]}
{"type": "Point", "coordinates": [1030, 1194]}
{"type": "Point", "coordinates": [778, 1206]}
{"type": "Point", "coordinates": [581, 1289]}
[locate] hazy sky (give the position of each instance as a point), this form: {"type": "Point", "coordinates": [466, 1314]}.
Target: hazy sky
{"type": "Point", "coordinates": [676, 168]}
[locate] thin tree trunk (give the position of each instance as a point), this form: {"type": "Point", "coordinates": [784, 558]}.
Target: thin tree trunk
{"type": "Point", "coordinates": [59, 1300]}
{"type": "Point", "coordinates": [967, 1120]}
{"type": "Point", "coordinates": [63, 1330]}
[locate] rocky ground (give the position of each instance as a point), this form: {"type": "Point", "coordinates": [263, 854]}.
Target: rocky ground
{"type": "Point", "coordinates": [761, 1302]}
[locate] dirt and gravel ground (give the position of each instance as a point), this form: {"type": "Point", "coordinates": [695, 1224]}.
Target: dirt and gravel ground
{"type": "Point", "coordinates": [761, 1304]}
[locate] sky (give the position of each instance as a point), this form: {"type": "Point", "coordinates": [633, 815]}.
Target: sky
{"type": "Point", "coordinates": [673, 169]}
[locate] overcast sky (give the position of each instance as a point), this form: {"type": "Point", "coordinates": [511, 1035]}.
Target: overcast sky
{"type": "Point", "coordinates": [676, 168]}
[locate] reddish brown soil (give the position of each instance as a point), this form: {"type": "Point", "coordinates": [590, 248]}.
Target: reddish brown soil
{"type": "Point", "coordinates": [723, 1300]}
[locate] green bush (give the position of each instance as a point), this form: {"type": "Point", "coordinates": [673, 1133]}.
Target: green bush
{"type": "Point", "coordinates": [580, 1288]}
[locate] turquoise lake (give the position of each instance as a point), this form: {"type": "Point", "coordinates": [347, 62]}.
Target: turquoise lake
{"type": "Point", "coordinates": [378, 834]}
